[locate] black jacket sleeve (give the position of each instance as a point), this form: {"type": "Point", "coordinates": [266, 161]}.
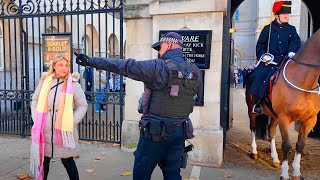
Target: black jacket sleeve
{"type": "Point", "coordinates": [153, 73]}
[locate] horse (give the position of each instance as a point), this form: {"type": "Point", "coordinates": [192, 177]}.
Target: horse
{"type": "Point", "coordinates": [294, 98]}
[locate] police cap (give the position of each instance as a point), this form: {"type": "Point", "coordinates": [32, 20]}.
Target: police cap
{"type": "Point", "coordinates": [171, 37]}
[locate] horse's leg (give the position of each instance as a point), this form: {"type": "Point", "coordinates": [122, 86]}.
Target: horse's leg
{"type": "Point", "coordinates": [273, 147]}
{"type": "Point", "coordinates": [254, 152]}
{"type": "Point", "coordinates": [252, 117]}
{"type": "Point", "coordinates": [305, 129]}
{"type": "Point", "coordinates": [286, 146]}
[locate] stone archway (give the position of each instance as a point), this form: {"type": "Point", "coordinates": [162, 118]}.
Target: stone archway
{"type": "Point", "coordinates": [311, 5]}
{"type": "Point", "coordinates": [114, 46]}
{"type": "Point", "coordinates": [312, 25]}
{"type": "Point", "coordinates": [52, 29]}
{"type": "Point", "coordinates": [55, 24]}
{"type": "Point", "coordinates": [91, 40]}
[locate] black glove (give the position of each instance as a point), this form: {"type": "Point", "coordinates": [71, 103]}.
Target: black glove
{"type": "Point", "coordinates": [82, 59]}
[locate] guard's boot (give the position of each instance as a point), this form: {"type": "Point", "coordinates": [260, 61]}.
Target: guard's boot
{"type": "Point", "coordinates": [257, 108]}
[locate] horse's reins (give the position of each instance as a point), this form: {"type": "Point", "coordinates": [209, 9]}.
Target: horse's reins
{"type": "Point", "coordinates": [294, 86]}
{"type": "Point", "coordinates": [306, 64]}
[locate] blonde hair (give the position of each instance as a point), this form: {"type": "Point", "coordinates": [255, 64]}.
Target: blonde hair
{"type": "Point", "coordinates": [52, 71]}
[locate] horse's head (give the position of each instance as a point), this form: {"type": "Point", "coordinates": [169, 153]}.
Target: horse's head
{"type": "Point", "coordinates": [309, 53]}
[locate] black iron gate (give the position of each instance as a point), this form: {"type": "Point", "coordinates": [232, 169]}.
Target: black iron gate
{"type": "Point", "coordinates": [97, 30]}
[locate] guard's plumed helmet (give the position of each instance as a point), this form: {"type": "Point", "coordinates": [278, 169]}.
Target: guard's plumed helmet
{"type": "Point", "coordinates": [282, 7]}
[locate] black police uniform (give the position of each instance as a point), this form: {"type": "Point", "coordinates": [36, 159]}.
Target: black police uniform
{"type": "Point", "coordinates": [163, 128]}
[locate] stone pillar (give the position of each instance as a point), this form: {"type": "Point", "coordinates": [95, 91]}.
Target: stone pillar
{"type": "Point", "coordinates": [138, 42]}
{"type": "Point", "coordinates": [144, 21]}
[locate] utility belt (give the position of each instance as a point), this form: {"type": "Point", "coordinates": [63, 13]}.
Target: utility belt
{"type": "Point", "coordinates": [157, 130]}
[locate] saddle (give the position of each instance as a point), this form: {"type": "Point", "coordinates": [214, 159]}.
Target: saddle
{"type": "Point", "coordinates": [274, 78]}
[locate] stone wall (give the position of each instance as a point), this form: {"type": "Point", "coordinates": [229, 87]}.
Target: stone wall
{"type": "Point", "coordinates": [144, 21]}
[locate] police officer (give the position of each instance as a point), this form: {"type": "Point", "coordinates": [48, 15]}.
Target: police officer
{"type": "Point", "coordinates": [173, 86]}
{"type": "Point", "coordinates": [282, 41]}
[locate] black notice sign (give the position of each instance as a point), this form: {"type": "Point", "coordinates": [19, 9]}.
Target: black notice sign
{"type": "Point", "coordinates": [197, 46]}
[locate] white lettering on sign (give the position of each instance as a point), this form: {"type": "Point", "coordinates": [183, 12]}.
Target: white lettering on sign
{"type": "Point", "coordinates": [190, 38]}
{"type": "Point", "coordinates": [199, 55]}
{"type": "Point", "coordinates": [190, 60]}
{"type": "Point", "coordinates": [197, 45]}
{"type": "Point", "coordinates": [187, 49]}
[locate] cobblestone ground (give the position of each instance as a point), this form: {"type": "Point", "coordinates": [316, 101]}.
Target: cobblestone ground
{"type": "Point", "coordinates": [239, 140]}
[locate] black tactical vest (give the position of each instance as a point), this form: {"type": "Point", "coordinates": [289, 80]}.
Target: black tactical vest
{"type": "Point", "coordinates": [177, 98]}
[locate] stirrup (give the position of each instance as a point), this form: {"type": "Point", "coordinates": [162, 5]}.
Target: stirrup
{"type": "Point", "coordinates": [257, 110]}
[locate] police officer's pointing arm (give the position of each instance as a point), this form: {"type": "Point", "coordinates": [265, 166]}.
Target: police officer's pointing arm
{"type": "Point", "coordinates": [153, 72]}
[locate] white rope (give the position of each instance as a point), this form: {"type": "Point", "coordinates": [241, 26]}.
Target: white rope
{"type": "Point", "coordinates": [292, 85]}
{"type": "Point", "coordinates": [269, 37]}
{"type": "Point", "coordinates": [270, 27]}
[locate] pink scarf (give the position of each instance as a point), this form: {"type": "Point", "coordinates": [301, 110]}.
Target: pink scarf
{"type": "Point", "coordinates": [63, 125]}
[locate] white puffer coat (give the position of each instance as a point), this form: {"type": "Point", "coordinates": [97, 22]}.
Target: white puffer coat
{"type": "Point", "coordinates": [79, 110]}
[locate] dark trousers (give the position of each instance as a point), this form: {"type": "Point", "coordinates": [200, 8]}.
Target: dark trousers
{"type": "Point", "coordinates": [168, 153]}
{"type": "Point", "coordinates": [68, 163]}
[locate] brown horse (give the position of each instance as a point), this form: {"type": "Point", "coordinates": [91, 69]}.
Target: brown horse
{"type": "Point", "coordinates": [295, 98]}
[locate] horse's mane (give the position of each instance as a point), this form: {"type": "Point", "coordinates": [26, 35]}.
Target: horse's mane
{"type": "Point", "coordinates": [310, 51]}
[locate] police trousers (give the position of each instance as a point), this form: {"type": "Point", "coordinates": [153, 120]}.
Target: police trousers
{"type": "Point", "coordinates": [166, 152]}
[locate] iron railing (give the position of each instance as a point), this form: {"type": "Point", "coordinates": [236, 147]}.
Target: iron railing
{"type": "Point", "coordinates": [97, 30]}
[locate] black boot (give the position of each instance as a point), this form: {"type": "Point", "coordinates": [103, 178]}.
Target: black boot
{"type": "Point", "coordinates": [46, 166]}
{"type": "Point", "coordinates": [71, 168]}
{"type": "Point", "coordinates": [257, 108]}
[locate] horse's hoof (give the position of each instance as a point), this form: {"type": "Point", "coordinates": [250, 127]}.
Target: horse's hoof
{"type": "Point", "coordinates": [298, 177]}
{"type": "Point", "coordinates": [254, 156]}
{"type": "Point", "coordinates": [276, 165]}
{"type": "Point", "coordinates": [283, 178]}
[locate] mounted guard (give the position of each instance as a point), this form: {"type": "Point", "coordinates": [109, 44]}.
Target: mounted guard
{"type": "Point", "coordinates": [293, 98]}
{"type": "Point", "coordinates": [277, 41]}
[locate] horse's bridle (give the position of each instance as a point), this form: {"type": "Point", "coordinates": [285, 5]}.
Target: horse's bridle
{"type": "Point", "coordinates": [294, 86]}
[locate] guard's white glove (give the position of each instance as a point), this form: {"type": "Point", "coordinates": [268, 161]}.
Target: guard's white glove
{"type": "Point", "coordinates": [291, 54]}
